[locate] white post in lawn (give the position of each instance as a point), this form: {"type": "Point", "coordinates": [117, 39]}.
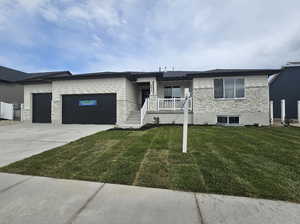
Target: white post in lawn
{"type": "Point", "coordinates": [271, 113]}
{"type": "Point", "coordinates": [283, 111]}
{"type": "Point", "coordinates": [299, 111]}
{"type": "Point", "coordinates": [185, 119]}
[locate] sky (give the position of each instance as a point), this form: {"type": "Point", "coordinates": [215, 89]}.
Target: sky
{"type": "Point", "coordinates": [140, 35]}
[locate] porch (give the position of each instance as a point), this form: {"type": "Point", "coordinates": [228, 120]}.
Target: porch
{"type": "Point", "coordinates": [163, 99]}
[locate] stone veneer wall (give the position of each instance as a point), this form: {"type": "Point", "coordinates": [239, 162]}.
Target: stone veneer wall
{"type": "Point", "coordinates": [253, 109]}
{"type": "Point", "coordinates": [120, 86]}
{"type": "Point", "coordinates": [131, 93]}
{"type": "Point", "coordinates": [167, 118]}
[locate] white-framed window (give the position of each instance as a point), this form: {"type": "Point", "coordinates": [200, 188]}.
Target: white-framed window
{"type": "Point", "coordinates": [172, 92]}
{"type": "Point", "coordinates": [228, 120]}
{"type": "Point", "coordinates": [229, 88]}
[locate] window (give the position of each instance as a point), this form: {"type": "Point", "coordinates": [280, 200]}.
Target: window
{"type": "Point", "coordinates": [86, 103]}
{"type": "Point", "coordinates": [218, 83]}
{"type": "Point", "coordinates": [172, 92]}
{"type": "Point", "coordinates": [228, 120]}
{"type": "Point", "coordinates": [222, 120]}
{"type": "Point", "coordinates": [229, 88]}
{"type": "Point", "coordinates": [240, 88]}
{"type": "Point", "coordinates": [234, 120]}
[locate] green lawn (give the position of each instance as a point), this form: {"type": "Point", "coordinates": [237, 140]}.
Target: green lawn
{"type": "Point", "coordinates": [242, 161]}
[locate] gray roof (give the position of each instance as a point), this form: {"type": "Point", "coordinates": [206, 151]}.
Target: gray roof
{"type": "Point", "coordinates": [234, 72]}
{"type": "Point", "coordinates": [12, 75]}
{"type": "Point", "coordinates": [177, 74]}
{"type": "Point", "coordinates": [133, 75]}
{"type": "Point", "coordinates": [43, 75]}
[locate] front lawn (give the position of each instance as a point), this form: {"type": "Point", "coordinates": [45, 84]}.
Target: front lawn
{"type": "Point", "coordinates": [242, 161]}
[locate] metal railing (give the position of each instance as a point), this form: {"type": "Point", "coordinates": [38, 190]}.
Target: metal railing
{"type": "Point", "coordinates": [172, 104]}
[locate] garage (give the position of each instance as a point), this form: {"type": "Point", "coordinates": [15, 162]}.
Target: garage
{"type": "Point", "coordinates": [89, 109]}
{"type": "Point", "coordinates": [41, 107]}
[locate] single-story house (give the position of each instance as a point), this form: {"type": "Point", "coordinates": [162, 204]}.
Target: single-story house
{"type": "Point", "coordinates": [129, 99]}
{"type": "Point", "coordinates": [286, 85]}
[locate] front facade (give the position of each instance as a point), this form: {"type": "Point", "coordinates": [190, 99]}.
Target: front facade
{"type": "Point", "coordinates": [121, 87]}
{"type": "Point", "coordinates": [228, 97]}
{"type": "Point", "coordinates": [243, 100]}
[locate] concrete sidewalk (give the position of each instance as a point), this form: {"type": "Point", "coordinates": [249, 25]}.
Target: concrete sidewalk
{"type": "Point", "coordinates": [38, 200]}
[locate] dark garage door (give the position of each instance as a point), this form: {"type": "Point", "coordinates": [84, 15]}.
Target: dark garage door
{"type": "Point", "coordinates": [89, 109]}
{"type": "Point", "coordinates": [41, 107]}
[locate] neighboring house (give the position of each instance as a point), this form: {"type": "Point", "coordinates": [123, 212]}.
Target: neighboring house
{"type": "Point", "coordinates": [130, 99]}
{"type": "Point", "coordinates": [11, 91]}
{"type": "Point", "coordinates": [286, 85]}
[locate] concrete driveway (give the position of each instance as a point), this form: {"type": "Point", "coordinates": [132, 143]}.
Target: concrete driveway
{"type": "Point", "coordinates": [21, 140]}
{"type": "Point", "coordinates": [41, 200]}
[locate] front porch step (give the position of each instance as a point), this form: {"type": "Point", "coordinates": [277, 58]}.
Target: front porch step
{"type": "Point", "coordinates": [129, 126]}
{"type": "Point", "coordinates": [134, 118]}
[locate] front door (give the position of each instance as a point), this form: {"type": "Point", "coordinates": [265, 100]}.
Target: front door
{"type": "Point", "coordinates": [145, 95]}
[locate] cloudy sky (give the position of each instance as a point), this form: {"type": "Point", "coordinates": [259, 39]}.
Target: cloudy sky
{"type": "Point", "coordinates": [100, 35]}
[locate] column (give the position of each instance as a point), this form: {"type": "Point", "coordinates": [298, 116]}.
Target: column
{"type": "Point", "coordinates": [271, 112]}
{"type": "Point", "coordinates": [283, 111]}
{"type": "Point", "coordinates": [299, 111]}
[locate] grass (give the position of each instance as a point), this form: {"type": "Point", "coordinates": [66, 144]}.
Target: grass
{"type": "Point", "coordinates": [241, 161]}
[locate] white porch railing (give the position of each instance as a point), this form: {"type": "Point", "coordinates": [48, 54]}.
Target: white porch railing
{"type": "Point", "coordinates": [172, 104]}
{"type": "Point", "coordinates": [144, 110]}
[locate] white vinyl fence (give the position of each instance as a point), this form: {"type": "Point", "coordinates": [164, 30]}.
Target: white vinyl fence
{"type": "Point", "coordinates": [6, 111]}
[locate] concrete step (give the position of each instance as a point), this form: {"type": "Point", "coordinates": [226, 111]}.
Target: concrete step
{"type": "Point", "coordinates": [127, 125]}
{"type": "Point", "coordinates": [132, 122]}
{"type": "Point", "coordinates": [134, 118]}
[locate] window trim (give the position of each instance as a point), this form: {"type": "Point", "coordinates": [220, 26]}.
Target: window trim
{"type": "Point", "coordinates": [234, 88]}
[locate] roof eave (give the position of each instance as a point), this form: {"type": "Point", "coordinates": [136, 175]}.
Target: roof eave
{"type": "Point", "coordinates": [5, 81]}
{"type": "Point", "coordinates": [174, 78]}
{"type": "Point", "coordinates": [233, 73]}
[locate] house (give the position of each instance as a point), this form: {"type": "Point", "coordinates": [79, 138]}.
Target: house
{"type": "Point", "coordinates": [285, 85]}
{"type": "Point", "coordinates": [131, 99]}
{"type": "Point", "coordinates": [11, 91]}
